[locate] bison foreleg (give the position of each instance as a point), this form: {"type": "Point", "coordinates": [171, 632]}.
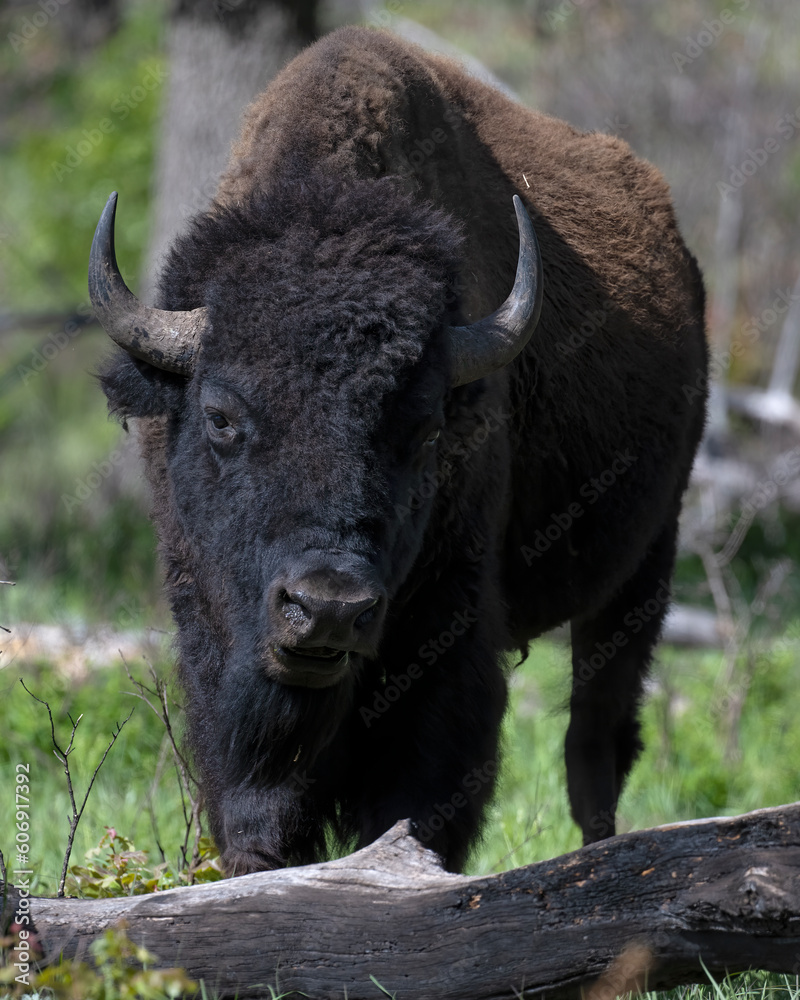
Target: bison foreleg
{"type": "Point", "coordinates": [432, 754]}
{"type": "Point", "coordinates": [259, 829]}
{"type": "Point", "coordinates": [611, 652]}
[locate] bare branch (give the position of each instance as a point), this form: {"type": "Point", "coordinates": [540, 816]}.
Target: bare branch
{"type": "Point", "coordinates": [76, 817]}
{"type": "Point", "coordinates": [157, 698]}
{"type": "Point", "coordinates": [63, 757]}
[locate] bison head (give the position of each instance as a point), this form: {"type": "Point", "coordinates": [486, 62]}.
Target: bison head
{"type": "Point", "coordinates": [300, 378]}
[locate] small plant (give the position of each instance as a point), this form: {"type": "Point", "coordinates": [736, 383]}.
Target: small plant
{"type": "Point", "coordinates": [121, 970]}
{"type": "Point", "coordinates": [116, 868]}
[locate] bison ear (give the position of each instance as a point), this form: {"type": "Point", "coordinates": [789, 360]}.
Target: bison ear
{"type": "Point", "coordinates": [134, 388]}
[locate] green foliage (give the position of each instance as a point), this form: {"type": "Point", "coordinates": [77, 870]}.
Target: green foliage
{"type": "Point", "coordinates": [93, 124]}
{"type": "Point", "coordinates": [116, 868]}
{"type": "Point", "coordinates": [130, 788]}
{"type": "Point", "coordinates": [77, 543]}
{"type": "Point", "coordinates": [74, 531]}
{"type": "Point", "coordinates": [120, 970]}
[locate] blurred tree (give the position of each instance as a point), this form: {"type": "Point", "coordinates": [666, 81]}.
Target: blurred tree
{"type": "Point", "coordinates": [87, 23]}
{"type": "Point", "coordinates": [221, 54]}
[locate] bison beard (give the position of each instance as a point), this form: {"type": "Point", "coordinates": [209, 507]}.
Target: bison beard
{"type": "Point", "coordinates": [266, 738]}
{"type": "Point", "coordinates": [270, 728]}
{"type": "Point", "coordinates": [373, 441]}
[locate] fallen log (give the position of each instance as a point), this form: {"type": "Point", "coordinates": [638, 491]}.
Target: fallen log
{"type": "Point", "coordinates": [724, 893]}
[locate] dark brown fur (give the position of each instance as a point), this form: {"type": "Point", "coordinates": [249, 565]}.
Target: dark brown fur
{"type": "Point", "coordinates": [602, 385]}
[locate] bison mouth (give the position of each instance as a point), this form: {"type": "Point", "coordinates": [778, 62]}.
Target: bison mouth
{"type": "Point", "coordinates": [310, 666]}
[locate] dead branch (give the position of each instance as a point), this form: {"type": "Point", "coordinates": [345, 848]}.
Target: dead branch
{"type": "Point", "coordinates": [62, 756]}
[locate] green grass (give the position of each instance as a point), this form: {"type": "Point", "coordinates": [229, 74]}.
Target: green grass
{"type": "Point", "coordinates": [683, 773]}
{"type": "Point", "coordinates": [746, 986]}
{"type": "Point", "coordinates": [124, 786]}
{"type": "Point", "coordinates": [94, 561]}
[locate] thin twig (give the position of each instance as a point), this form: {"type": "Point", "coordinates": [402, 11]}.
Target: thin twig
{"type": "Point", "coordinates": [162, 758]}
{"type": "Point", "coordinates": [63, 757]}
{"type": "Point", "coordinates": [768, 587]}
{"type": "Point", "coordinates": [157, 698]}
{"type": "Point", "coordinates": [6, 583]}
{"type": "Point", "coordinates": [160, 693]}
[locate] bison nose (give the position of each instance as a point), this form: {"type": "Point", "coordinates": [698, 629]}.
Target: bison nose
{"type": "Point", "coordinates": [324, 613]}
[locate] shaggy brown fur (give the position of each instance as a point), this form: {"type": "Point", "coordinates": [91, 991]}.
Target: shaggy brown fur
{"type": "Point", "coordinates": [371, 190]}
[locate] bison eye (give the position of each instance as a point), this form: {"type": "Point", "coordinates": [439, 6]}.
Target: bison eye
{"type": "Point", "coordinates": [221, 431]}
{"type": "Point", "coordinates": [218, 421]}
{"type": "Point", "coordinates": [432, 438]}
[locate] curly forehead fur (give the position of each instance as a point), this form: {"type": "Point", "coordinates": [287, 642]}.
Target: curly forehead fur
{"type": "Point", "coordinates": [318, 270]}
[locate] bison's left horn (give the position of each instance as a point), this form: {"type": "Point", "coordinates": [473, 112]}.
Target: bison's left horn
{"type": "Point", "coordinates": [164, 339]}
{"type": "Point", "coordinates": [489, 344]}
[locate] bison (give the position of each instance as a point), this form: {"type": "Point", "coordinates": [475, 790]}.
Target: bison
{"type": "Point", "coordinates": [393, 434]}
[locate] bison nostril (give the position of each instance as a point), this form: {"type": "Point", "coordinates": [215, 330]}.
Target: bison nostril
{"type": "Point", "coordinates": [326, 610]}
{"type": "Point", "coordinates": [366, 616]}
{"type": "Point", "coordinates": [293, 609]}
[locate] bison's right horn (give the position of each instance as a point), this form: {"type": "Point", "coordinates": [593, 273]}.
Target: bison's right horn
{"type": "Point", "coordinates": [483, 347]}
{"type": "Point", "coordinates": [164, 339]}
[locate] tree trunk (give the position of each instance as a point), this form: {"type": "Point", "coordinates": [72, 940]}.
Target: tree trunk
{"type": "Point", "coordinates": [724, 893]}
{"type": "Point", "coordinates": [222, 53]}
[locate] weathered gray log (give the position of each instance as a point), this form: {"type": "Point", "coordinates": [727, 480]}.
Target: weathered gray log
{"type": "Point", "coordinates": [724, 892]}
